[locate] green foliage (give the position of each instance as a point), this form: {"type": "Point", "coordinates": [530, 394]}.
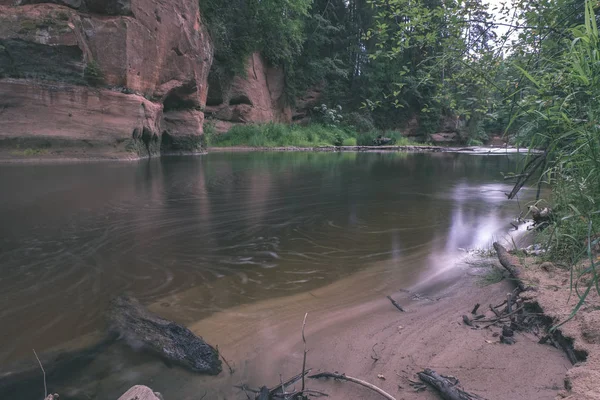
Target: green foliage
{"type": "Point", "coordinates": [29, 152]}
{"type": "Point", "coordinates": [556, 86]}
{"type": "Point", "coordinates": [559, 113]}
{"type": "Point", "coordinates": [431, 58]}
{"type": "Point", "coordinates": [328, 116]}
{"type": "Point", "coordinates": [278, 135]}
{"type": "Point", "coordinates": [93, 74]}
{"type": "Point", "coordinates": [359, 122]}
{"type": "Point", "coordinates": [241, 27]}
{"type": "Point", "coordinates": [282, 135]}
{"type": "Point", "coordinates": [491, 276]}
{"type": "Point", "coordinates": [349, 142]}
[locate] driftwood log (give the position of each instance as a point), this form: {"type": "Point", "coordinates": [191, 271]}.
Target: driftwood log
{"type": "Point", "coordinates": [509, 263]}
{"type": "Point", "coordinates": [446, 386]}
{"type": "Point", "coordinates": [173, 342]}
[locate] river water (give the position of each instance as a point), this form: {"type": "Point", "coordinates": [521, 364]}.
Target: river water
{"type": "Point", "coordinates": [199, 235]}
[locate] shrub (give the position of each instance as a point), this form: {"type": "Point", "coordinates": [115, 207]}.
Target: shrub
{"type": "Point", "coordinates": [93, 74]}
{"type": "Point", "coordinates": [349, 142]}
{"type": "Point", "coordinates": [360, 122]}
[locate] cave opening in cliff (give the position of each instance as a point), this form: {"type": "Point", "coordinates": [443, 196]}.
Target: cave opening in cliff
{"type": "Point", "coordinates": [181, 98]}
{"type": "Point", "coordinates": [240, 99]}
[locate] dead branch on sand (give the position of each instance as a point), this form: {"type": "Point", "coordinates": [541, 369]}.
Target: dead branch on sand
{"type": "Point", "coordinates": [279, 391]}
{"type": "Point", "coordinates": [398, 306]}
{"type": "Point", "coordinates": [305, 351]}
{"type": "Point", "coordinates": [447, 386]}
{"type": "Point", "coordinates": [343, 377]}
{"type": "Point", "coordinates": [231, 370]}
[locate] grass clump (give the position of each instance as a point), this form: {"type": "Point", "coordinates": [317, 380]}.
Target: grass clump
{"type": "Point", "coordinates": [284, 135]}
{"type": "Point", "coordinates": [491, 276]}
{"type": "Point", "coordinates": [29, 152]}
{"type": "Point", "coordinates": [93, 74]}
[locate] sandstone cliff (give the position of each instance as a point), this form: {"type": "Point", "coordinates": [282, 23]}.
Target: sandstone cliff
{"type": "Point", "coordinates": [257, 97]}
{"type": "Point", "coordinates": [103, 76]}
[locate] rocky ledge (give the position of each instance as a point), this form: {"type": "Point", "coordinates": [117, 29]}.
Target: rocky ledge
{"type": "Point", "coordinates": [124, 77]}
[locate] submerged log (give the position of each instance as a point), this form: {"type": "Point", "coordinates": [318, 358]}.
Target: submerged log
{"type": "Point", "coordinates": [142, 329]}
{"type": "Point", "coordinates": [446, 386]}
{"type": "Point", "coordinates": [509, 264]}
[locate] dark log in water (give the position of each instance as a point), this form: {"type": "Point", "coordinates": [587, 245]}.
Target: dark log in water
{"type": "Point", "coordinates": [175, 343]}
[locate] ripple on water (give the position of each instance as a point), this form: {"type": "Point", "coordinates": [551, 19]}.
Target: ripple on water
{"type": "Point", "coordinates": [201, 235]}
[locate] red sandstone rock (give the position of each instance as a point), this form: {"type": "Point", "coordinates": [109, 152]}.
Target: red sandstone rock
{"type": "Point", "coordinates": [50, 116]}
{"type": "Point", "coordinates": [152, 48]}
{"type": "Point", "coordinates": [258, 97]}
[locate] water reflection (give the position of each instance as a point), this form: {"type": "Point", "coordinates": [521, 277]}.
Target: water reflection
{"type": "Point", "coordinates": [199, 235]}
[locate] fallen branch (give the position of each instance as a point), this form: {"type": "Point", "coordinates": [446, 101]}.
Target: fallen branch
{"type": "Point", "coordinates": [501, 317]}
{"type": "Point", "coordinates": [474, 311]}
{"type": "Point", "coordinates": [494, 311]}
{"type": "Point", "coordinates": [398, 306]}
{"type": "Point", "coordinates": [44, 373]}
{"type": "Point", "coordinates": [231, 370]}
{"type": "Point", "coordinates": [354, 380]}
{"type": "Point", "coordinates": [305, 351]}
{"type": "Point", "coordinates": [447, 387]}
{"type": "Point", "coordinates": [314, 393]}
{"type": "Point", "coordinates": [508, 263]}
{"type": "Point", "coordinates": [467, 321]}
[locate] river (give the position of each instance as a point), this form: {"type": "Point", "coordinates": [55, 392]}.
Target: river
{"type": "Point", "coordinates": [200, 235]}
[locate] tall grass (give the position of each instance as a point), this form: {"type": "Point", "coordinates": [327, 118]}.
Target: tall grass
{"type": "Point", "coordinates": [284, 135]}
{"type": "Point", "coordinates": [563, 118]}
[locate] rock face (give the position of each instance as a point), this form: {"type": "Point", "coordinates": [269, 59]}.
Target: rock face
{"type": "Point", "coordinates": [256, 98]}
{"type": "Point", "coordinates": [173, 342]}
{"type": "Point", "coordinates": [110, 75]}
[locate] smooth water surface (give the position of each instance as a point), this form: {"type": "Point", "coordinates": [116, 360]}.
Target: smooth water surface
{"type": "Point", "coordinates": [233, 227]}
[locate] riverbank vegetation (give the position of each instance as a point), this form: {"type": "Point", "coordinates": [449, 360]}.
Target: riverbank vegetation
{"type": "Point", "coordinates": [285, 135]}
{"type": "Point", "coordinates": [527, 70]}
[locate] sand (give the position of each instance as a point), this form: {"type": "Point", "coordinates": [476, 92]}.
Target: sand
{"type": "Point", "coordinates": [554, 295]}
{"type": "Point", "coordinates": [362, 335]}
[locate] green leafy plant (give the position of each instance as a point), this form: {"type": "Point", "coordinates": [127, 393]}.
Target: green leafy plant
{"type": "Point", "coordinates": [93, 74]}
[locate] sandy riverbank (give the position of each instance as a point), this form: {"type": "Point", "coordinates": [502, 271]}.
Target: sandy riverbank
{"type": "Point", "coordinates": [361, 334]}
{"type": "Point", "coordinates": [352, 328]}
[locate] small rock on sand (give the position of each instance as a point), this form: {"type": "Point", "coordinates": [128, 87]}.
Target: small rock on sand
{"type": "Point", "coordinates": [140, 392]}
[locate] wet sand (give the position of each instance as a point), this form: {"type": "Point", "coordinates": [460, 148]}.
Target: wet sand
{"type": "Point", "coordinates": [358, 332]}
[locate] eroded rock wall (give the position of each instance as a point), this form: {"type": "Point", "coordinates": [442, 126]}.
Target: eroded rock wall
{"type": "Point", "coordinates": [257, 97]}
{"type": "Point", "coordinates": [110, 75]}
